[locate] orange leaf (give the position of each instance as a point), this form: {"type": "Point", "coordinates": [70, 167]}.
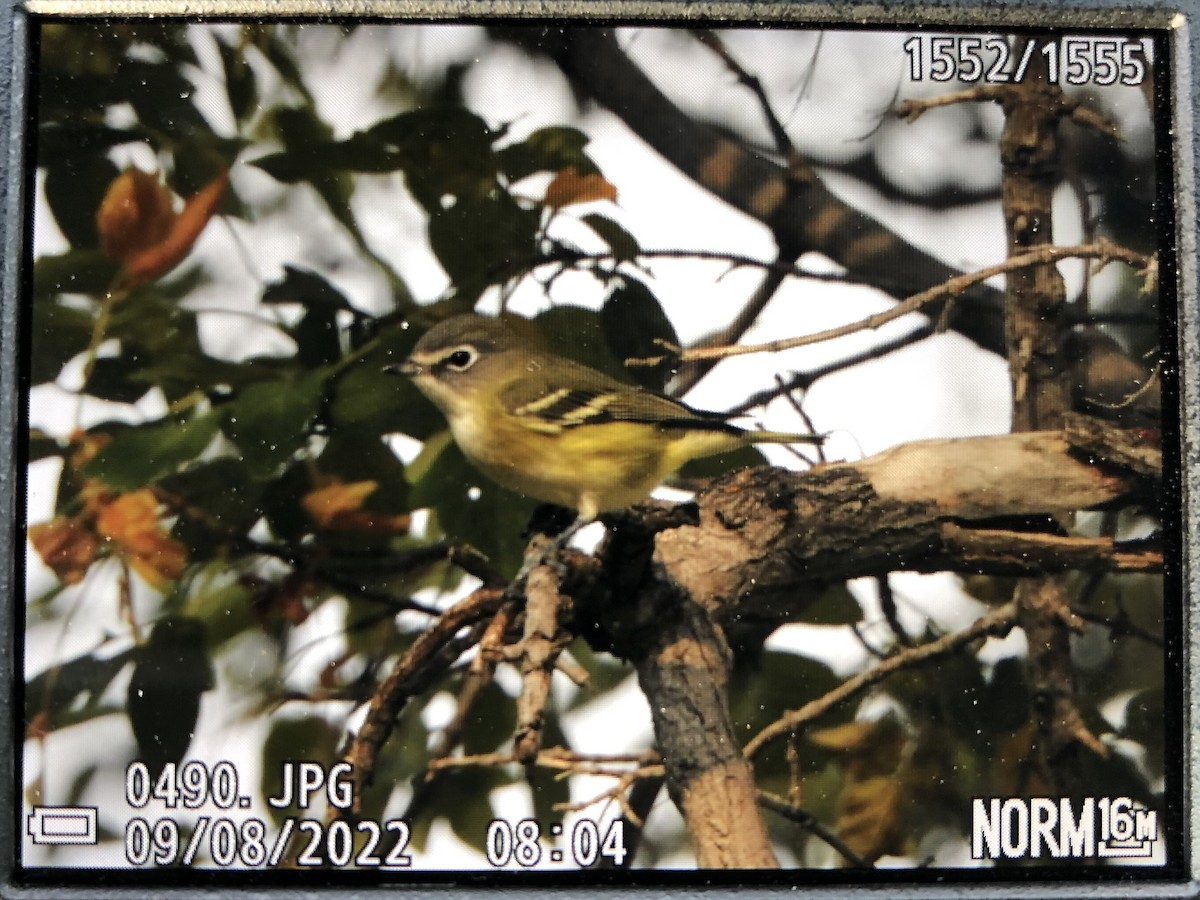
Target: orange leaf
{"type": "Point", "coordinates": [325, 504]}
{"type": "Point", "coordinates": [151, 262]}
{"type": "Point", "coordinates": [131, 522]}
{"type": "Point", "coordinates": [161, 563]}
{"type": "Point", "coordinates": [568, 187]}
{"type": "Point", "coordinates": [137, 212]}
{"type": "Point", "coordinates": [67, 546]}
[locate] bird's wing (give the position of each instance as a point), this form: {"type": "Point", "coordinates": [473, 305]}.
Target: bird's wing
{"type": "Point", "coordinates": [597, 399]}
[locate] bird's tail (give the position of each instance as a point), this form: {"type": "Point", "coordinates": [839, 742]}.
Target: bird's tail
{"type": "Point", "coordinates": [782, 437]}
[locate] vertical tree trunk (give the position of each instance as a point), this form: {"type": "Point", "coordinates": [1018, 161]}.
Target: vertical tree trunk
{"type": "Point", "coordinates": [1034, 326]}
{"type": "Point", "coordinates": [684, 674]}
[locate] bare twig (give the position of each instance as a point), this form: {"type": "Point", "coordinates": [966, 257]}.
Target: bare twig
{"type": "Point", "coordinates": [806, 379]}
{"type": "Point", "coordinates": [1120, 625]}
{"type": "Point", "coordinates": [479, 675]}
{"type": "Point", "coordinates": [424, 661]}
{"type": "Point", "coordinates": [811, 824]}
{"type": "Point", "coordinates": [996, 622]}
{"type": "Point", "coordinates": [887, 603]}
{"type": "Point", "coordinates": [1101, 250]}
{"type": "Point", "coordinates": [911, 110]}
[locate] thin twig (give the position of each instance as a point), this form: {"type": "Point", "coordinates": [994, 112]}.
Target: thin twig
{"type": "Point", "coordinates": [887, 603]}
{"type": "Point", "coordinates": [805, 380]}
{"type": "Point", "coordinates": [911, 110]}
{"type": "Point", "coordinates": [690, 375]}
{"type": "Point", "coordinates": [1120, 625]}
{"type": "Point", "coordinates": [999, 620]}
{"type": "Point", "coordinates": [811, 824]}
{"type": "Point", "coordinates": [419, 666]}
{"type": "Point", "coordinates": [1102, 250]}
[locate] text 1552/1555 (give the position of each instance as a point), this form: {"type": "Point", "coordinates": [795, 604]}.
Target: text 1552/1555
{"type": "Point", "coordinates": [1100, 61]}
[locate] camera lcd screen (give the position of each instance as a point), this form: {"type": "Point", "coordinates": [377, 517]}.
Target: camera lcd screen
{"type": "Point", "coordinates": [599, 451]}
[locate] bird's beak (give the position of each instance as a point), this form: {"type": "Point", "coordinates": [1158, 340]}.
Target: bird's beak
{"type": "Point", "coordinates": [408, 367]}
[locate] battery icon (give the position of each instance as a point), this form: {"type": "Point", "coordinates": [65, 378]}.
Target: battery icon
{"type": "Point", "coordinates": [63, 824]}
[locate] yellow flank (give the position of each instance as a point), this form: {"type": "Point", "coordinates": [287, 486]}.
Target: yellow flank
{"type": "Point", "coordinates": [593, 469]}
{"type": "Point", "coordinates": [554, 429]}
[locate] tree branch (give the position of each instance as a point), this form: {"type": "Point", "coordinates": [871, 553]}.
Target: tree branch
{"type": "Point", "coordinates": [996, 622]}
{"type": "Point", "coordinates": [804, 217]}
{"type": "Point", "coordinates": [424, 662]}
{"type": "Point", "coordinates": [953, 287]}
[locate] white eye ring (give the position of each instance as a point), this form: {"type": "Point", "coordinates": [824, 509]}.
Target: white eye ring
{"type": "Point", "coordinates": [461, 358]}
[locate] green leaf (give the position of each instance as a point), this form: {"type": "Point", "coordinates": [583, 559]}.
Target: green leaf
{"type": "Point", "coordinates": [73, 685]}
{"type": "Point", "coordinates": [492, 720]}
{"type": "Point", "coordinates": [776, 681]}
{"type": "Point", "coordinates": [579, 334]}
{"type": "Point", "coordinates": [56, 140]}
{"type": "Point", "coordinates": [403, 756]}
{"type": "Point", "coordinates": [623, 244]}
{"type": "Point", "coordinates": [363, 395]}
{"type": "Point", "coordinates": [138, 456]}
{"type": "Point", "coordinates": [310, 152]}
{"type": "Point", "coordinates": [1145, 718]}
{"type": "Point", "coordinates": [280, 56]}
{"type": "Point", "coordinates": [444, 151]}
{"type": "Point", "coordinates": [161, 95]}
{"type": "Point", "coordinates": [113, 379]}
{"type": "Point", "coordinates": [604, 673]}
{"type": "Point", "coordinates": [41, 446]}
{"type": "Point", "coordinates": [225, 607]}
{"type": "Point", "coordinates": [465, 800]}
{"type": "Point", "coordinates": [478, 238]}
{"type": "Point", "coordinates": [317, 333]}
{"type": "Point", "coordinates": [226, 499]}
{"type": "Point", "coordinates": [59, 334]}
{"type": "Point", "coordinates": [74, 272]}
{"type": "Point", "coordinates": [239, 81]}
{"type": "Point", "coordinates": [74, 189]}
{"type": "Point", "coordinates": [634, 323]}
{"type": "Point", "coordinates": [171, 671]}
{"type": "Point", "coordinates": [761, 691]}
{"type": "Point", "coordinates": [361, 455]}
{"type": "Point", "coordinates": [197, 163]}
{"type": "Point", "coordinates": [834, 606]}
{"type": "Point", "coordinates": [270, 420]}
{"type": "Point", "coordinates": [307, 288]}
{"type": "Point", "coordinates": [546, 150]}
{"type": "Point", "coordinates": [321, 160]}
{"type": "Point", "coordinates": [547, 788]}
{"type": "Point", "coordinates": [160, 346]}
{"type": "Point", "coordinates": [493, 521]}
{"type": "Point", "coordinates": [288, 519]}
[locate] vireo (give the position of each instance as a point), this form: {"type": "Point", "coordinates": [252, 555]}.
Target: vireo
{"type": "Point", "coordinates": [555, 429]}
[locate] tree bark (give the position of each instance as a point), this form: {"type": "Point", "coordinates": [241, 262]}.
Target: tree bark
{"type": "Point", "coordinates": [759, 544]}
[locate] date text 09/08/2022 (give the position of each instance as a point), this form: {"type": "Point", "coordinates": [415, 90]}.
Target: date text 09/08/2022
{"type": "Point", "coordinates": [310, 842]}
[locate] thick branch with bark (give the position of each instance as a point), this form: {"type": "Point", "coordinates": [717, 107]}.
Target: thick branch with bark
{"type": "Point", "coordinates": [767, 540]}
{"type": "Point", "coordinates": [760, 543]}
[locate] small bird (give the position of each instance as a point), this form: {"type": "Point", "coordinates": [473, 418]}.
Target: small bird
{"type": "Point", "coordinates": [554, 429]}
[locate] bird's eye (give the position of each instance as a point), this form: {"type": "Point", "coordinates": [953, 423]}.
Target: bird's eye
{"type": "Point", "coordinates": [461, 359]}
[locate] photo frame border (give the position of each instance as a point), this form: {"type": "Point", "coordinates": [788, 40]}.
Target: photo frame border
{"type": "Point", "coordinates": [1180, 22]}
